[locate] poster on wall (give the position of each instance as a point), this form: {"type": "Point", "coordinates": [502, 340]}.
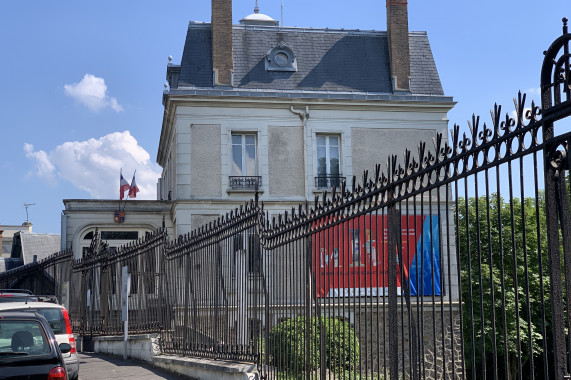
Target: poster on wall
{"type": "Point", "coordinates": [351, 258]}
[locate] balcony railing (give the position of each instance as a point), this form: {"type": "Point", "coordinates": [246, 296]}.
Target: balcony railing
{"type": "Point", "coordinates": [245, 183]}
{"type": "Point", "coordinates": [328, 181]}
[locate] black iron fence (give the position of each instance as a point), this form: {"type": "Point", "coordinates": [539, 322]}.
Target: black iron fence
{"type": "Point", "coordinates": [452, 262]}
{"type": "Point", "coordinates": [99, 276]}
{"type": "Point", "coordinates": [50, 276]}
{"type": "Point", "coordinates": [216, 289]}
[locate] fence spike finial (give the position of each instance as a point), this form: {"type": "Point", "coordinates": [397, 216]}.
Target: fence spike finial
{"type": "Point", "coordinates": [519, 108]}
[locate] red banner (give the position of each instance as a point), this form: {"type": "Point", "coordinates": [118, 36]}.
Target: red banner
{"type": "Point", "coordinates": [351, 258]}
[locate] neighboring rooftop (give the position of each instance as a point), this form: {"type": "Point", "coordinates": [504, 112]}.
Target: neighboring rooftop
{"type": "Point", "coordinates": [26, 245]}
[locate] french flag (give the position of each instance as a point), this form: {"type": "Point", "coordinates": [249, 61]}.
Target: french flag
{"type": "Point", "coordinates": [133, 189]}
{"type": "Point", "coordinates": [123, 185]}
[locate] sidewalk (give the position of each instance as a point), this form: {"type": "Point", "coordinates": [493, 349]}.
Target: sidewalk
{"type": "Point", "coordinates": [97, 366]}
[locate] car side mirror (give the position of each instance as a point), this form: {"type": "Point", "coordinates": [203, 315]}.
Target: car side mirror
{"type": "Point", "coordinates": [64, 348]}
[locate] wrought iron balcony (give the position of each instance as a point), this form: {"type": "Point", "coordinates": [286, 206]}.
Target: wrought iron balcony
{"type": "Point", "coordinates": [328, 181]}
{"type": "Point", "coordinates": [245, 183]}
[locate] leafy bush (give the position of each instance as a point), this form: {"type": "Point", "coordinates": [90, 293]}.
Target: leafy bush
{"type": "Point", "coordinates": [287, 345]}
{"type": "Point", "coordinates": [342, 345]}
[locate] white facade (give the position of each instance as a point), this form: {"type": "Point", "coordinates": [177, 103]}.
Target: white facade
{"type": "Point", "coordinates": [198, 155]}
{"type": "Point", "coordinates": [82, 217]}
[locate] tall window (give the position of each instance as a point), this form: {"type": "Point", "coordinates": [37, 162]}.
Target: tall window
{"type": "Point", "coordinates": [244, 166]}
{"type": "Point", "coordinates": [244, 155]}
{"type": "Point", "coordinates": [327, 161]}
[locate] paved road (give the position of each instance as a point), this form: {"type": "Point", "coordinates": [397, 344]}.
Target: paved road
{"type": "Point", "coordinates": [101, 367]}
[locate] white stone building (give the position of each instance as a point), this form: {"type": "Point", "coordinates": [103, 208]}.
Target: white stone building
{"type": "Point", "coordinates": [288, 111]}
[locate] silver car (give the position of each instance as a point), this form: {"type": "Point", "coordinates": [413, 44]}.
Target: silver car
{"type": "Point", "coordinates": [58, 319]}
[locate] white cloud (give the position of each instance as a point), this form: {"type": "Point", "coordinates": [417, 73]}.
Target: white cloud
{"type": "Point", "coordinates": [93, 165]}
{"type": "Point", "coordinates": [92, 93]}
{"type": "Point", "coordinates": [44, 168]}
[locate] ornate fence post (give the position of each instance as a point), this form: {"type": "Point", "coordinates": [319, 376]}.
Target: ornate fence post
{"type": "Point", "coordinates": [554, 83]}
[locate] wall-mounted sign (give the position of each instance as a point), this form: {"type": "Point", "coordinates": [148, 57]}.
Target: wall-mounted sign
{"type": "Point", "coordinates": [351, 258]}
{"type": "Point", "coordinates": [125, 290]}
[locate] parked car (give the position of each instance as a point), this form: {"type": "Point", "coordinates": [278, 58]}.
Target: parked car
{"type": "Point", "coordinates": [58, 319]}
{"type": "Point", "coordinates": [28, 348]}
{"type": "Point", "coordinates": [16, 295]}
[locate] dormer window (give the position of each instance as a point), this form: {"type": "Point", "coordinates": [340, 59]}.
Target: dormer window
{"type": "Point", "coordinates": [281, 58]}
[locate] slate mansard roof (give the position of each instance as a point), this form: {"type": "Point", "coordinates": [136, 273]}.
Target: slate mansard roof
{"type": "Point", "coordinates": [27, 245]}
{"type": "Point", "coordinates": [327, 60]}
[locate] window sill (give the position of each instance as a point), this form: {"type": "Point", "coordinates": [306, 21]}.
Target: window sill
{"type": "Point", "coordinates": [329, 190]}
{"type": "Point", "coordinates": [243, 191]}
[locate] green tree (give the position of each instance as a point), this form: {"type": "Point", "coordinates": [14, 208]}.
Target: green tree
{"type": "Point", "coordinates": [505, 282]}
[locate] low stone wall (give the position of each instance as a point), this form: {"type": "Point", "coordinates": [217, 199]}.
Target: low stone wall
{"type": "Point", "coordinates": [437, 343]}
{"type": "Point", "coordinates": [141, 347]}
{"type": "Point", "coordinates": [204, 369]}
{"type": "Point", "coordinates": [146, 347]}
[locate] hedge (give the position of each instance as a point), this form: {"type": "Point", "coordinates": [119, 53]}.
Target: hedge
{"type": "Point", "coordinates": [287, 345]}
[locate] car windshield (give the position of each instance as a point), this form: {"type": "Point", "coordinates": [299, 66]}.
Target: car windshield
{"type": "Point", "coordinates": [22, 338]}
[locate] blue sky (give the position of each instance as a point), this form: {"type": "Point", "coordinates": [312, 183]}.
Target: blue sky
{"type": "Point", "coordinates": [81, 82]}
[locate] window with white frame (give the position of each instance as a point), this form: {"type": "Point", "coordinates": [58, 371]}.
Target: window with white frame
{"type": "Point", "coordinates": [328, 165]}
{"type": "Point", "coordinates": [244, 174]}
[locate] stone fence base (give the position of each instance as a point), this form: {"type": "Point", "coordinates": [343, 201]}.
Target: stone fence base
{"type": "Point", "coordinates": [146, 347]}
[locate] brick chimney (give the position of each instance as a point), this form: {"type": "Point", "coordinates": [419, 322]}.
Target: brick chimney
{"type": "Point", "coordinates": [397, 30]}
{"type": "Point", "coordinates": [222, 56]}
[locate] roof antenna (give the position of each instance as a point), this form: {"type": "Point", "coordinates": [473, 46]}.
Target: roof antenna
{"type": "Point", "coordinates": [282, 21]}
{"type": "Point", "coordinates": [256, 9]}
{"type": "Point", "coordinates": [26, 205]}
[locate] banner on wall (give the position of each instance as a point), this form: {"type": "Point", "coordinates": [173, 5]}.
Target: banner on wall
{"type": "Point", "coordinates": [351, 258]}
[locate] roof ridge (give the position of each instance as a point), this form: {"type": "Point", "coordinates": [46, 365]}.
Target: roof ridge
{"type": "Point", "coordinates": [203, 24]}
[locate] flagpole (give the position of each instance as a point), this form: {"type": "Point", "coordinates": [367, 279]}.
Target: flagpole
{"type": "Point", "coordinates": [127, 197]}
{"type": "Point", "coordinates": [120, 176]}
